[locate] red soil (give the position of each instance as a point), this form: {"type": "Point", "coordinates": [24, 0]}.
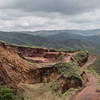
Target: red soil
{"type": "Point", "coordinates": [16, 66]}
{"type": "Point", "coordinates": [89, 92]}
{"type": "Point", "coordinates": [69, 56]}
{"type": "Point", "coordinates": [37, 59]}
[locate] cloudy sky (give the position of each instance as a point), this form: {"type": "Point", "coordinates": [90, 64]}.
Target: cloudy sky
{"type": "Point", "coordinates": [31, 15]}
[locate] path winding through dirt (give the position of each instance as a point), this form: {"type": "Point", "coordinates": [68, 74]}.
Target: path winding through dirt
{"type": "Point", "coordinates": [89, 92]}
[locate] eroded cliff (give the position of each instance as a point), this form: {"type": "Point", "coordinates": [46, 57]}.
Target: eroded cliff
{"type": "Point", "coordinates": [34, 65]}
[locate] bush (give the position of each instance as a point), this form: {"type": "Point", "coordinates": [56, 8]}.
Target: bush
{"type": "Point", "coordinates": [81, 55]}
{"type": "Point", "coordinates": [61, 57]}
{"type": "Point", "coordinates": [69, 69]}
{"type": "Point", "coordinates": [6, 93]}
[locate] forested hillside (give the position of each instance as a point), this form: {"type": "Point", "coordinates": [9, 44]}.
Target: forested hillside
{"type": "Point", "coordinates": [60, 39]}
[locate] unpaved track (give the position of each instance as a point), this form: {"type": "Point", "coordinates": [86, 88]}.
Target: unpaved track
{"type": "Point", "coordinates": [89, 92]}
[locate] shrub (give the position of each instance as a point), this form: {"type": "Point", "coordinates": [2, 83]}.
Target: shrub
{"type": "Point", "coordinates": [69, 69]}
{"type": "Point", "coordinates": [81, 55]}
{"type": "Point", "coordinates": [6, 93]}
{"type": "Point", "coordinates": [61, 57]}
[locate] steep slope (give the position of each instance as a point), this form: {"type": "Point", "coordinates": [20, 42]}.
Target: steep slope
{"type": "Point", "coordinates": [18, 66]}
{"type": "Point", "coordinates": [13, 69]}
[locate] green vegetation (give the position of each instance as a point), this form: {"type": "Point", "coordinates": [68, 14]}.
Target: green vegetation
{"type": "Point", "coordinates": [80, 55]}
{"type": "Point", "coordinates": [95, 70]}
{"type": "Point", "coordinates": [55, 88]}
{"type": "Point", "coordinates": [6, 93]}
{"type": "Point", "coordinates": [65, 96]}
{"type": "Point", "coordinates": [61, 57]}
{"type": "Point", "coordinates": [66, 70]}
{"type": "Point", "coordinates": [69, 69]}
{"type": "Point", "coordinates": [91, 70]}
{"type": "Point", "coordinates": [60, 40]}
{"type": "Point", "coordinates": [96, 66]}
{"type": "Point", "coordinates": [70, 92]}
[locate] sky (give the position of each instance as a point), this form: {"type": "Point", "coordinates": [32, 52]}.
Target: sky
{"type": "Point", "coordinates": [33, 15]}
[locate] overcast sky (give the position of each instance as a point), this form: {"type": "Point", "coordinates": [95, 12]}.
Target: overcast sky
{"type": "Point", "coordinates": [31, 15]}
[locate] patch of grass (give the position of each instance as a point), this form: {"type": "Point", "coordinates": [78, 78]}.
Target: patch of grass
{"type": "Point", "coordinates": [91, 70]}
{"type": "Point", "coordinates": [95, 70]}
{"type": "Point", "coordinates": [96, 65]}
{"type": "Point", "coordinates": [6, 93]}
{"type": "Point", "coordinates": [54, 86]}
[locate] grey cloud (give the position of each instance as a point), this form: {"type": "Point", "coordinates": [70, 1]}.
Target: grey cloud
{"type": "Point", "coordinates": [68, 7]}
{"type": "Point", "coordinates": [49, 14]}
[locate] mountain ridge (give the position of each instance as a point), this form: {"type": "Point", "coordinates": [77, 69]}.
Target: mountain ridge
{"type": "Point", "coordinates": [69, 39]}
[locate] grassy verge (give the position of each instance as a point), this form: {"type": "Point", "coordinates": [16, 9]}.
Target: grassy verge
{"type": "Point", "coordinates": [96, 66]}
{"type": "Point", "coordinates": [95, 70]}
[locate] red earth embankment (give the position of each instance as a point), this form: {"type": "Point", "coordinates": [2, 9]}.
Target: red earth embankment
{"type": "Point", "coordinates": [31, 65]}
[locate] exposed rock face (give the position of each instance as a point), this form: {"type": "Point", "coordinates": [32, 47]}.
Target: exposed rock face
{"type": "Point", "coordinates": [48, 54]}
{"type": "Point", "coordinates": [71, 82]}
{"type": "Point", "coordinates": [67, 83]}
{"type": "Point", "coordinates": [43, 75]}
{"type": "Point", "coordinates": [15, 69]}
{"type": "Point", "coordinates": [83, 61]}
{"type": "Point", "coordinates": [33, 52]}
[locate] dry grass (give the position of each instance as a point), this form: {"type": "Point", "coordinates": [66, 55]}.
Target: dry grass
{"type": "Point", "coordinates": [42, 91]}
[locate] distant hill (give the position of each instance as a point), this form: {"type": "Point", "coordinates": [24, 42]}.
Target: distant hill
{"type": "Point", "coordinates": [66, 39]}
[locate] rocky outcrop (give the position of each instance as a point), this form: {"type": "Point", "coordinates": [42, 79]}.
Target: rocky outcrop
{"type": "Point", "coordinates": [69, 82]}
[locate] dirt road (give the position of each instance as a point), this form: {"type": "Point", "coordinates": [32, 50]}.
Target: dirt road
{"type": "Point", "coordinates": [89, 92]}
